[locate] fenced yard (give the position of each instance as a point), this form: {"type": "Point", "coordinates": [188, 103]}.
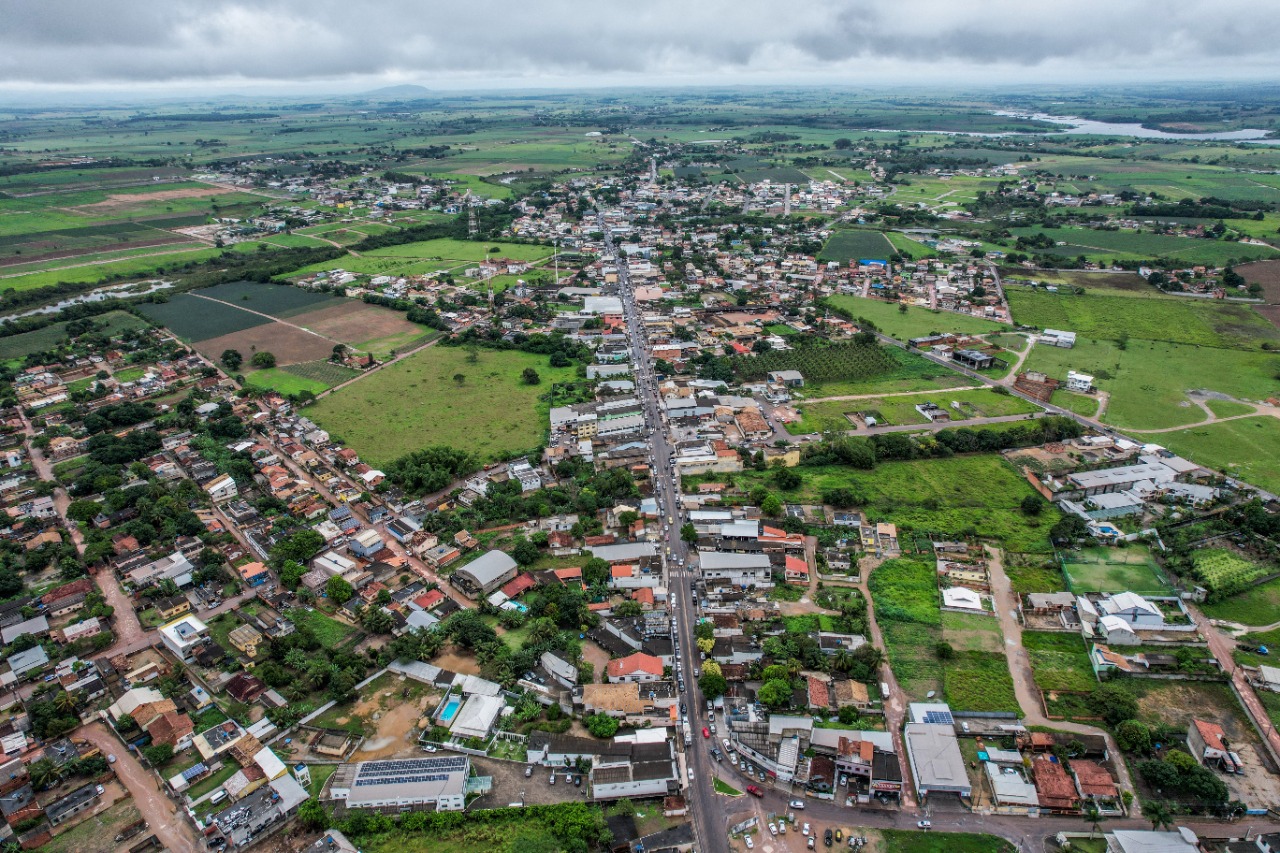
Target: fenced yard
{"type": "Point", "coordinates": [1103, 569]}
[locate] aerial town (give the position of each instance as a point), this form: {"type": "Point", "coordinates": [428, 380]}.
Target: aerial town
{"type": "Point", "coordinates": [798, 471]}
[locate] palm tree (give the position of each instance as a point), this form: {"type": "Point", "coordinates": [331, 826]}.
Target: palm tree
{"type": "Point", "coordinates": [67, 701]}
{"type": "Point", "coordinates": [1094, 816]}
{"type": "Point", "coordinates": [44, 773]}
{"type": "Point", "coordinates": [1159, 813]}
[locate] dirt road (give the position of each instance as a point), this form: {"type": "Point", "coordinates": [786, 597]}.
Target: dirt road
{"type": "Point", "coordinates": [173, 829]}
{"type": "Point", "coordinates": [1024, 684]}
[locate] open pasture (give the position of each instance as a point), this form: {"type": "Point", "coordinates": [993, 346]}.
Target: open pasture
{"type": "Point", "coordinates": [419, 402]}
{"type": "Point", "coordinates": [367, 328]}
{"type": "Point", "coordinates": [915, 322]}
{"type": "Point", "coordinates": [850, 245]}
{"type": "Point", "coordinates": [1248, 448]}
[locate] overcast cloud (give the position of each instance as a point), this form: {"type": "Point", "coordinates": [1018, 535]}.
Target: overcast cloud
{"type": "Point", "coordinates": [341, 44]}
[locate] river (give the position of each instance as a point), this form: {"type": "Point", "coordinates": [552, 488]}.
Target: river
{"type": "Point", "coordinates": [1074, 126]}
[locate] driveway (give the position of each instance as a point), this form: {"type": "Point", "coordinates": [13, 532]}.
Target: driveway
{"type": "Point", "coordinates": [159, 811]}
{"type": "Point", "coordinates": [1024, 684]}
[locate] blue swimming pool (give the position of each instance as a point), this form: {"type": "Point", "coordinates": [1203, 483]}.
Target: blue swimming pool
{"type": "Point", "coordinates": [450, 709]}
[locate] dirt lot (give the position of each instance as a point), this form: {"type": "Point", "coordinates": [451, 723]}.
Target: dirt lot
{"type": "Point", "coordinates": [126, 201]}
{"type": "Point", "coordinates": [454, 662]}
{"type": "Point", "coordinates": [597, 656]}
{"type": "Point", "coordinates": [356, 324]}
{"type": "Point", "coordinates": [391, 717]}
{"type": "Point", "coordinates": [509, 783]}
{"type": "Point", "coordinates": [1265, 273]}
{"type": "Point", "coordinates": [289, 345]}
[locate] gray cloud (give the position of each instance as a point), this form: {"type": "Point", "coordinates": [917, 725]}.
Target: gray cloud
{"type": "Point", "coordinates": [68, 43]}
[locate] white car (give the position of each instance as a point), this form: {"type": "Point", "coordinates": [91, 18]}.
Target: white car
{"type": "Point", "coordinates": [773, 828]}
{"type": "Point", "coordinates": [804, 830]}
{"type": "Point", "coordinates": [924, 824]}
{"type": "Point", "coordinates": [797, 804]}
{"type": "Point", "coordinates": [751, 845]}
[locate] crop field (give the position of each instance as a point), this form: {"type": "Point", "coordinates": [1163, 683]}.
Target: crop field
{"type": "Point", "coordinates": [141, 266]}
{"type": "Point", "coordinates": [313, 376]}
{"type": "Point", "coordinates": [1248, 448]}
{"type": "Point", "coordinates": [845, 370]}
{"type": "Point", "coordinates": [1165, 318]}
{"type": "Point", "coordinates": [19, 346]}
{"type": "Point", "coordinates": [1133, 245]}
{"type": "Point", "coordinates": [367, 328]}
{"type": "Point", "coordinates": [846, 246]}
{"type": "Point", "coordinates": [916, 322]}
{"type": "Point", "coordinates": [960, 496]}
{"type": "Point", "coordinates": [1224, 571]}
{"type": "Point", "coordinates": [1148, 381]}
{"type": "Point", "coordinates": [194, 319]}
{"type": "Point", "coordinates": [428, 256]}
{"type": "Point", "coordinates": [277, 300]}
{"type": "Point", "coordinates": [288, 344]}
{"type": "Point", "coordinates": [1059, 661]}
{"type": "Point", "coordinates": [417, 402]}
{"type": "Point", "coordinates": [1103, 569]}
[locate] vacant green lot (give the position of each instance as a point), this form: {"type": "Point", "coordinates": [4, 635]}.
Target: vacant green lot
{"type": "Point", "coordinates": [418, 402]}
{"type": "Point", "coordinates": [975, 403]}
{"type": "Point", "coordinates": [908, 841]}
{"type": "Point", "coordinates": [960, 496]}
{"type": "Point", "coordinates": [1059, 661]}
{"type": "Point", "coordinates": [329, 631]}
{"type": "Point", "coordinates": [1248, 448]}
{"type": "Point", "coordinates": [1113, 314]}
{"type": "Point", "coordinates": [1257, 606]}
{"type": "Point", "coordinates": [1148, 381]}
{"type": "Point", "coordinates": [913, 373]}
{"type": "Point", "coordinates": [916, 322]}
{"type": "Point", "coordinates": [1103, 569]}
{"type": "Point", "coordinates": [846, 246]}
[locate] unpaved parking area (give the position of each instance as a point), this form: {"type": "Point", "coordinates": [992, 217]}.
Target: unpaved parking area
{"type": "Point", "coordinates": [509, 783]}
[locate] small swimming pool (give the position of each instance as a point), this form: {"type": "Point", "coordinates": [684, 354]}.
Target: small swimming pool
{"type": "Point", "coordinates": [450, 709]}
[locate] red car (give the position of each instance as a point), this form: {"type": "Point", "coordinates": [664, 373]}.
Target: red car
{"type": "Point", "coordinates": [705, 733]}
{"type": "Point", "coordinates": [754, 791]}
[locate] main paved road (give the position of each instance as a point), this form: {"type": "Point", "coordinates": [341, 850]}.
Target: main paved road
{"type": "Point", "coordinates": [708, 813]}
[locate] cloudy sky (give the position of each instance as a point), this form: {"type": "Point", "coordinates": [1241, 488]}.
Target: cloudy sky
{"type": "Point", "coordinates": [348, 45]}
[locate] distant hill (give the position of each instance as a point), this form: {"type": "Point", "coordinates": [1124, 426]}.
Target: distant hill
{"type": "Point", "coordinates": [407, 92]}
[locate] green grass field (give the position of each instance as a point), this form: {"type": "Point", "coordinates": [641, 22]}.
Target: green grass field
{"type": "Point", "coordinates": [1259, 605]}
{"type": "Point", "coordinates": [1148, 381]}
{"type": "Point", "coordinates": [329, 631]}
{"type": "Point", "coordinates": [852, 246]}
{"type": "Point", "coordinates": [908, 841]}
{"type": "Point", "coordinates": [417, 402]}
{"type": "Point", "coordinates": [1103, 569]}
{"type": "Point", "coordinates": [916, 322]}
{"type": "Point", "coordinates": [275, 299]}
{"type": "Point", "coordinates": [278, 379]}
{"type": "Point", "coordinates": [974, 403]}
{"type": "Point", "coordinates": [1111, 314]}
{"type": "Point", "coordinates": [1134, 245]}
{"type": "Point", "coordinates": [1081, 404]}
{"type": "Point", "coordinates": [960, 496]}
{"type": "Point", "coordinates": [1059, 661]}
{"type": "Point", "coordinates": [19, 346]}
{"type": "Point", "coordinates": [913, 373]}
{"type": "Point", "coordinates": [1248, 448]}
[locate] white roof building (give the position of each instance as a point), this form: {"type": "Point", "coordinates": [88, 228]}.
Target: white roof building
{"type": "Point", "coordinates": [961, 598]}
{"type": "Point", "coordinates": [476, 716]}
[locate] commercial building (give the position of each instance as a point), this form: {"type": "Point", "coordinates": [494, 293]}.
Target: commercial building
{"type": "Point", "coordinates": [482, 576]}
{"type": "Point", "coordinates": [403, 785]}
{"type": "Point", "coordinates": [936, 763]}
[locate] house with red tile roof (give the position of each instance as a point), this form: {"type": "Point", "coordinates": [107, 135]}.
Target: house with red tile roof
{"type": "Point", "coordinates": [522, 582]}
{"type": "Point", "coordinates": [797, 570]}
{"type": "Point", "coordinates": [1208, 743]}
{"type": "Point", "coordinates": [819, 694]}
{"type": "Point", "coordinates": [638, 668]}
{"type": "Point", "coordinates": [1093, 780]}
{"type": "Point", "coordinates": [1054, 788]}
{"type": "Point", "coordinates": [429, 599]}
{"type": "Point", "coordinates": [644, 596]}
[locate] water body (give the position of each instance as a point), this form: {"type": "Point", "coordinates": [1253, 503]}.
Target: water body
{"type": "Point", "coordinates": [1085, 127]}
{"type": "Point", "coordinates": [119, 291]}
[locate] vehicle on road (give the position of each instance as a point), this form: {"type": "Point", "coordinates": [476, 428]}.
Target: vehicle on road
{"type": "Point", "coordinates": [750, 844]}
{"type": "Point", "coordinates": [826, 837]}
{"type": "Point", "coordinates": [705, 732]}
{"type": "Point", "coordinates": [111, 759]}
{"type": "Point", "coordinates": [924, 824]}
{"type": "Point", "coordinates": [797, 804]}
{"type": "Point", "coordinates": [839, 835]}
{"type": "Point", "coordinates": [754, 791]}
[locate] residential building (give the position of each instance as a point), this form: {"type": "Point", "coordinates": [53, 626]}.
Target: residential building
{"type": "Point", "coordinates": [482, 576]}
{"type": "Point", "coordinates": [636, 668]}
{"type": "Point", "coordinates": [183, 636]}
